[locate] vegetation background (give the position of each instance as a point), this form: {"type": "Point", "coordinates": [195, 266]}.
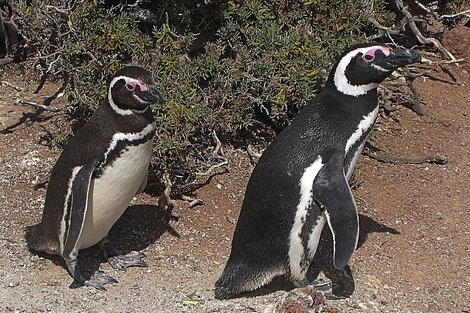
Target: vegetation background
{"type": "Point", "coordinates": [239, 70]}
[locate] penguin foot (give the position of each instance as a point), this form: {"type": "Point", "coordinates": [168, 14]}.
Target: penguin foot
{"type": "Point", "coordinates": [122, 262]}
{"type": "Point", "coordinates": [98, 280]}
{"type": "Point", "coordinates": [325, 286]}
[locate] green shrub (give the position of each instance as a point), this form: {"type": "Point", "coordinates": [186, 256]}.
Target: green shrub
{"type": "Point", "coordinates": [256, 71]}
{"type": "Point", "coordinates": [242, 68]}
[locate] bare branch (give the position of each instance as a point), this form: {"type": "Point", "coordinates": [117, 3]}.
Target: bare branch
{"type": "Point", "coordinates": [252, 153]}
{"type": "Point", "coordinates": [425, 8]}
{"type": "Point", "coordinates": [164, 201]}
{"type": "Point", "coordinates": [8, 84]}
{"type": "Point", "coordinates": [416, 101]}
{"type": "Point", "coordinates": [432, 159]}
{"type": "Point", "coordinates": [36, 105]}
{"type": "Point", "coordinates": [218, 144]}
{"type": "Point", "coordinates": [466, 13]}
{"type": "Point", "coordinates": [212, 168]}
{"type": "Point", "coordinates": [374, 22]}
{"type": "Point", "coordinates": [6, 61]}
{"type": "Point", "coordinates": [424, 40]}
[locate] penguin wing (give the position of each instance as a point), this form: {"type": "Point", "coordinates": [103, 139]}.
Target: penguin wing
{"type": "Point", "coordinates": [78, 205]}
{"type": "Point", "coordinates": [331, 190]}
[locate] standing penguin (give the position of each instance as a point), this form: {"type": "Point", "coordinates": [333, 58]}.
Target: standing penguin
{"type": "Point", "coordinates": [98, 173]}
{"type": "Point", "coordinates": [301, 180]}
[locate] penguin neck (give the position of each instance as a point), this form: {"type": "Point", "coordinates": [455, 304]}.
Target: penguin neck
{"type": "Point", "coordinates": [364, 103]}
{"type": "Point", "coordinates": [132, 122]}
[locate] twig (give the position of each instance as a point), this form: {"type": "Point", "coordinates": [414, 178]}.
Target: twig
{"type": "Point", "coordinates": [58, 9]}
{"type": "Point", "coordinates": [175, 35]}
{"type": "Point", "coordinates": [36, 105]}
{"type": "Point", "coordinates": [448, 72]}
{"type": "Point", "coordinates": [213, 167]}
{"type": "Point", "coordinates": [432, 159]}
{"type": "Point", "coordinates": [374, 22]}
{"type": "Point", "coordinates": [8, 47]}
{"type": "Point", "coordinates": [424, 40]}
{"type": "Point", "coordinates": [425, 8]}
{"type": "Point", "coordinates": [450, 61]}
{"type": "Point", "coordinates": [432, 77]}
{"type": "Point", "coordinates": [92, 57]}
{"type": "Point", "coordinates": [427, 61]}
{"type": "Point", "coordinates": [252, 153]}
{"type": "Point", "coordinates": [218, 144]}
{"type": "Point", "coordinates": [416, 101]}
{"type": "Point", "coordinates": [52, 63]}
{"type": "Point", "coordinates": [195, 203]}
{"type": "Point", "coordinates": [192, 202]}
{"type": "Point", "coordinates": [164, 201]}
{"type": "Point", "coordinates": [8, 84]}
{"type": "Point", "coordinates": [6, 61]}
{"type": "Point", "coordinates": [201, 179]}
{"type": "Point", "coordinates": [466, 13]}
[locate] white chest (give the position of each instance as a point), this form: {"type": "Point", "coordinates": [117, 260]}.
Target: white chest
{"type": "Point", "coordinates": [111, 193]}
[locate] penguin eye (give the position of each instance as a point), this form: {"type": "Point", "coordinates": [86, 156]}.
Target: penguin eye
{"type": "Point", "coordinates": [130, 87]}
{"type": "Point", "coordinates": [369, 57]}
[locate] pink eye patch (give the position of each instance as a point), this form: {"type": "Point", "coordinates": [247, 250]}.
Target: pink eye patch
{"type": "Point", "coordinates": [370, 54]}
{"type": "Point", "coordinates": [131, 84]}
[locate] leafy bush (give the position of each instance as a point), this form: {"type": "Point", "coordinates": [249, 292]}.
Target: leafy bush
{"type": "Point", "coordinates": [242, 68]}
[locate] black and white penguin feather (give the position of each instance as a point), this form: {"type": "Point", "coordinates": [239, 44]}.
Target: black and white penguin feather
{"type": "Point", "coordinates": [99, 172]}
{"type": "Point", "coordinates": [300, 183]}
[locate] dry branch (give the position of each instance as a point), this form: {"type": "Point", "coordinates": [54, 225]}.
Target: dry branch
{"type": "Point", "coordinates": [416, 101]}
{"type": "Point", "coordinates": [212, 168]}
{"type": "Point", "coordinates": [36, 105]}
{"type": "Point", "coordinates": [466, 13]}
{"type": "Point", "coordinates": [164, 201]}
{"type": "Point", "coordinates": [8, 84]}
{"type": "Point", "coordinates": [424, 40]}
{"type": "Point", "coordinates": [432, 159]}
{"type": "Point", "coordinates": [218, 144]}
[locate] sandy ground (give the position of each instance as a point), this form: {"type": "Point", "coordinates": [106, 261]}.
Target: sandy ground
{"type": "Point", "coordinates": [414, 243]}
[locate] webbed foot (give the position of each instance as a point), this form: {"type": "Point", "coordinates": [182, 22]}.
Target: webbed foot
{"type": "Point", "coordinates": [325, 286]}
{"type": "Point", "coordinates": [97, 280]}
{"type": "Point", "coordinates": [122, 262]}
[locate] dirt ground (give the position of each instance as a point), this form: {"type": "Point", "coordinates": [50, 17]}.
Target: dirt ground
{"type": "Point", "coordinates": [414, 250]}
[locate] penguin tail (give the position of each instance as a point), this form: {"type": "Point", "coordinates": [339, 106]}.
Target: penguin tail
{"type": "Point", "coordinates": [240, 277]}
{"type": "Point", "coordinates": [37, 241]}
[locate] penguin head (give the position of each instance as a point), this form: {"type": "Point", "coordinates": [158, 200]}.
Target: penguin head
{"type": "Point", "coordinates": [362, 68]}
{"type": "Point", "coordinates": [132, 90]}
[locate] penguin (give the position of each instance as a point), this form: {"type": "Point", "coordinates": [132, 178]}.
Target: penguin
{"type": "Point", "coordinates": [300, 182]}
{"type": "Point", "coordinates": [98, 173]}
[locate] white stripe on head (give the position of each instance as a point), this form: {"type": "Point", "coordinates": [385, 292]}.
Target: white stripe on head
{"type": "Point", "coordinates": [341, 81]}
{"type": "Point", "coordinates": [296, 248]}
{"type": "Point", "coordinates": [129, 81]}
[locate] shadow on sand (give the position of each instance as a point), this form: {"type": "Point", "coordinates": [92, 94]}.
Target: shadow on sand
{"type": "Point", "coordinates": [136, 229]}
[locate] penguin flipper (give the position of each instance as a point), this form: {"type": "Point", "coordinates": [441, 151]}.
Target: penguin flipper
{"type": "Point", "coordinates": [331, 190]}
{"type": "Point", "coordinates": [78, 207]}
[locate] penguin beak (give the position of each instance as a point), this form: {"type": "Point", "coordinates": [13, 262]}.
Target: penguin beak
{"type": "Point", "coordinates": [399, 57]}
{"type": "Point", "coordinates": [151, 95]}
